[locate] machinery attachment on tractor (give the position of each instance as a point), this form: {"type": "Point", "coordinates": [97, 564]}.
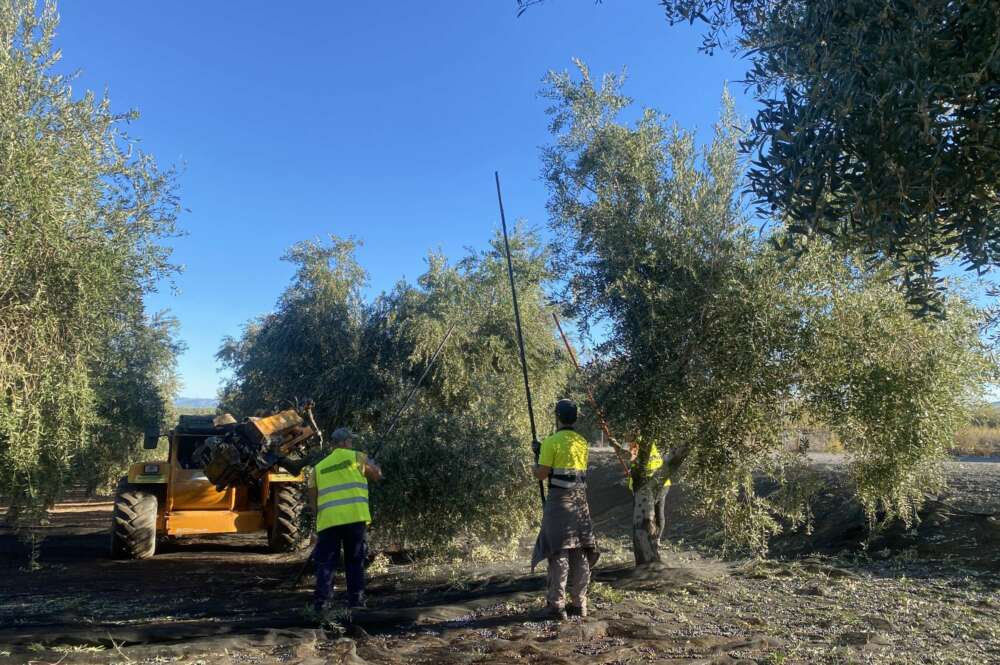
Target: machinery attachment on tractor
{"type": "Point", "coordinates": [241, 453]}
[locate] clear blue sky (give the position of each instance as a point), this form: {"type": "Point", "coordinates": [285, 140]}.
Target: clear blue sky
{"type": "Point", "coordinates": [382, 120]}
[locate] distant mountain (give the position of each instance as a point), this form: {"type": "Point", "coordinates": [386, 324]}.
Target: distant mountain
{"type": "Point", "coordinates": [196, 402]}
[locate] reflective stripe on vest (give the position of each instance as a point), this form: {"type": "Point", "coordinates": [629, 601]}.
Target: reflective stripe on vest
{"type": "Point", "coordinates": [567, 478]}
{"type": "Point", "coordinates": [341, 490]}
{"type": "Point", "coordinates": [569, 449]}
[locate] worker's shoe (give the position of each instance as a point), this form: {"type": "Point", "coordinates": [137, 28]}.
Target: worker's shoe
{"type": "Point", "coordinates": [577, 610]}
{"type": "Point", "coordinates": [556, 613]}
{"type": "Point", "coordinates": [313, 613]}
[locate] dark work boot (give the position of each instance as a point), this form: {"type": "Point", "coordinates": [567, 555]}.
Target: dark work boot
{"type": "Point", "coordinates": [314, 613]}
{"type": "Point", "coordinates": [556, 613]}
{"type": "Point", "coordinates": [577, 610]}
{"type": "Point", "coordinates": [319, 605]}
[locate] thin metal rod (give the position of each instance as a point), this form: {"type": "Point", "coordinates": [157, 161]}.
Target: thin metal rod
{"type": "Point", "coordinates": [517, 321]}
{"type": "Point", "coordinates": [413, 391]}
{"type": "Point", "coordinates": [590, 394]}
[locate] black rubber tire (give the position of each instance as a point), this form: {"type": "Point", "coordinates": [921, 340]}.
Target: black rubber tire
{"type": "Point", "coordinates": [289, 530]}
{"type": "Point", "coordinates": [133, 525]}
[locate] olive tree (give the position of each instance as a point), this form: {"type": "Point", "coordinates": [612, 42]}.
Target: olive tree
{"type": "Point", "coordinates": [457, 461]}
{"type": "Point", "coordinates": [880, 129]}
{"type": "Point", "coordinates": [134, 385]}
{"type": "Point", "coordinates": [895, 389]}
{"type": "Point", "coordinates": [470, 430]}
{"type": "Point", "coordinates": [878, 126]}
{"type": "Point", "coordinates": [321, 342]}
{"type": "Point", "coordinates": [82, 215]}
{"type": "Point", "coordinates": [714, 344]}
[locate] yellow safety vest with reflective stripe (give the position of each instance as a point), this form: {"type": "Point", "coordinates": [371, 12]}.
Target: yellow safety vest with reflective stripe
{"type": "Point", "coordinates": [567, 453]}
{"type": "Point", "coordinates": [654, 462]}
{"type": "Point", "coordinates": [341, 489]}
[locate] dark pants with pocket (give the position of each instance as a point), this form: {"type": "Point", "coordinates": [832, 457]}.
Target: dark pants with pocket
{"type": "Point", "coordinates": [353, 538]}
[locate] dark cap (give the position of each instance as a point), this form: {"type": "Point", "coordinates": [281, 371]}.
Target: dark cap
{"type": "Point", "coordinates": [341, 434]}
{"type": "Point", "coordinates": [566, 411]}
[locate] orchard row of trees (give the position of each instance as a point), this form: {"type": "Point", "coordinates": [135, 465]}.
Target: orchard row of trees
{"type": "Point", "coordinates": [716, 344]}
{"type": "Point", "coordinates": [714, 338]}
{"type": "Point", "coordinates": [83, 368]}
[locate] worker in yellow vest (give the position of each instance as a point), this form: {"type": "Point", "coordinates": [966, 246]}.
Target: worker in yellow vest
{"type": "Point", "coordinates": [338, 492]}
{"type": "Point", "coordinates": [653, 464]}
{"type": "Point", "coordinates": [566, 539]}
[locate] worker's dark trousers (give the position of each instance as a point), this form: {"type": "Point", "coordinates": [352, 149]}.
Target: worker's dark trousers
{"type": "Point", "coordinates": [354, 539]}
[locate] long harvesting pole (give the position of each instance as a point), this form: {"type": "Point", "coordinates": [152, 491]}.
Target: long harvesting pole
{"type": "Point", "coordinates": [590, 394]}
{"type": "Point", "coordinates": [517, 321]}
{"type": "Point", "coordinates": [413, 391]}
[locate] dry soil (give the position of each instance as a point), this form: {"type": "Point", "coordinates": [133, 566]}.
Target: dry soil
{"type": "Point", "coordinates": [927, 594]}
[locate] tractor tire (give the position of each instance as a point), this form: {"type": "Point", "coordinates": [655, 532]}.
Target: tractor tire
{"type": "Point", "coordinates": [288, 531]}
{"type": "Point", "coordinates": [133, 526]}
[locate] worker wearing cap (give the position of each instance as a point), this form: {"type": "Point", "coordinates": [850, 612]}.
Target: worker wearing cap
{"type": "Point", "coordinates": [566, 538]}
{"type": "Point", "coordinates": [338, 493]}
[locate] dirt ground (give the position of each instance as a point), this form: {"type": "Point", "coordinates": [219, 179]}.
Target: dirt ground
{"type": "Point", "coordinates": [930, 594]}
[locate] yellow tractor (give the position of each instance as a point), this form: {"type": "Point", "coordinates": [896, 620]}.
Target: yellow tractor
{"type": "Point", "coordinates": [219, 477]}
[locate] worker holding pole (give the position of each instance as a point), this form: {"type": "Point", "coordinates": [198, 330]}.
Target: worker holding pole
{"type": "Point", "coordinates": [338, 493]}
{"type": "Point", "coordinates": [566, 539]}
{"type": "Point", "coordinates": [653, 464]}
{"type": "Point", "coordinates": [311, 460]}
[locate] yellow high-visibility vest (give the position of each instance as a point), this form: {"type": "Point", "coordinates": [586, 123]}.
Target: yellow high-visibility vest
{"type": "Point", "coordinates": [567, 453]}
{"type": "Point", "coordinates": [654, 462]}
{"type": "Point", "coordinates": [341, 489]}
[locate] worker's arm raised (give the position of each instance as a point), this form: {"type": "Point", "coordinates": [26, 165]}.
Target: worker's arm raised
{"type": "Point", "coordinates": [371, 470]}
{"type": "Point", "coordinates": [622, 450]}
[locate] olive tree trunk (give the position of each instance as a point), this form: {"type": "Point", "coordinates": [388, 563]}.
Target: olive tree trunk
{"type": "Point", "coordinates": [645, 532]}
{"type": "Point", "coordinates": [647, 528]}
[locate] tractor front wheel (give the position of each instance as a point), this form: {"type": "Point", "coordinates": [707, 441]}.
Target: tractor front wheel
{"type": "Point", "coordinates": [133, 526]}
{"type": "Point", "coordinates": [288, 531]}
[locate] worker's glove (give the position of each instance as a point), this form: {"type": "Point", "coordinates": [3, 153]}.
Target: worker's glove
{"type": "Point", "coordinates": [536, 447]}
